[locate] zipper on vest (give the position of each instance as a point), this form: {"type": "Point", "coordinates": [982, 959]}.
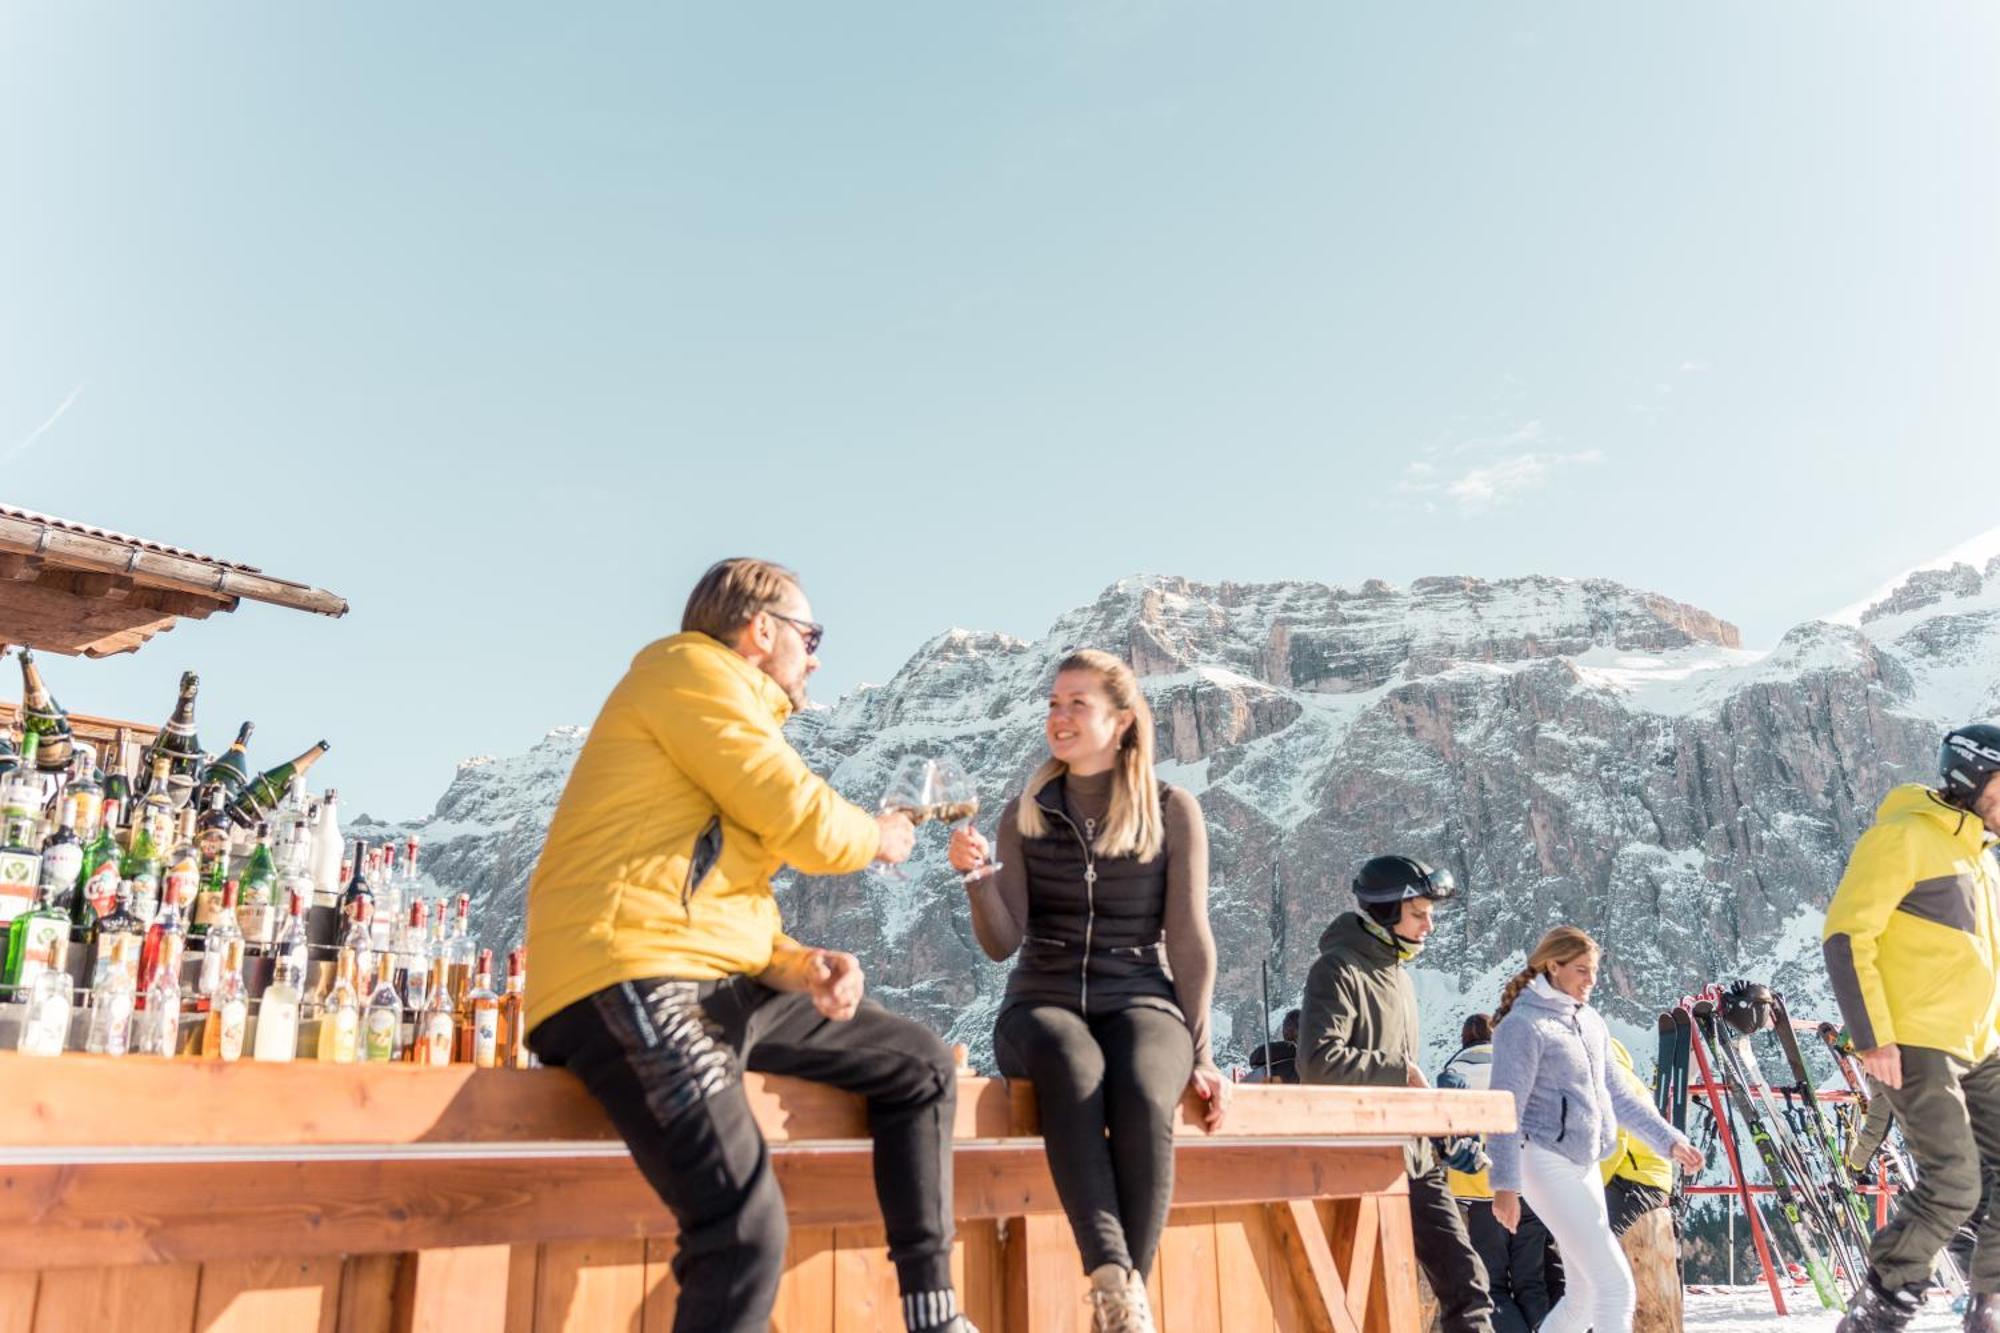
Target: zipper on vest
{"type": "Point", "coordinates": [1089, 908]}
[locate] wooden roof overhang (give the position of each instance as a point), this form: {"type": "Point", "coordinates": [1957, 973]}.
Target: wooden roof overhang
{"type": "Point", "coordinates": [71, 588]}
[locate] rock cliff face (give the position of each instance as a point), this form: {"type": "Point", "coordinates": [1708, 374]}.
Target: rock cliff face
{"type": "Point", "coordinates": [1572, 750]}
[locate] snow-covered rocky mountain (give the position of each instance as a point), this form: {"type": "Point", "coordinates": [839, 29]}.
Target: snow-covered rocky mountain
{"type": "Point", "coordinates": [1573, 750]}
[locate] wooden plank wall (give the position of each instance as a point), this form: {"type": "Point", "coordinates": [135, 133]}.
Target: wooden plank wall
{"type": "Point", "coordinates": [1220, 1270]}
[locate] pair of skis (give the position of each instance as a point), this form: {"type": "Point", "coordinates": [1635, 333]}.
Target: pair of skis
{"type": "Point", "coordinates": [1810, 1233]}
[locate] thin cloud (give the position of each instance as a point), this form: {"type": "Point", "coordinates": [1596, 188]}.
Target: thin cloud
{"type": "Point", "coordinates": [1494, 485]}
{"type": "Point", "coordinates": [42, 429]}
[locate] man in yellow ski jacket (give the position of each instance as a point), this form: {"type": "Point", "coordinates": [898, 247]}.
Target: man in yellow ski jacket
{"type": "Point", "coordinates": [661, 971]}
{"type": "Point", "coordinates": [1912, 944]}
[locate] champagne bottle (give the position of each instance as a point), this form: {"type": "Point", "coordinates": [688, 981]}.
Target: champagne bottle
{"type": "Point", "coordinates": [262, 793]}
{"type": "Point", "coordinates": [42, 716]}
{"type": "Point", "coordinates": [357, 887]}
{"type": "Point", "coordinates": [230, 770]}
{"type": "Point", "coordinates": [178, 744]}
{"type": "Point", "coordinates": [118, 785]}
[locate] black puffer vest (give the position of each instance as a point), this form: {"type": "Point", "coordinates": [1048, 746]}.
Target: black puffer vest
{"type": "Point", "coordinates": [1093, 941]}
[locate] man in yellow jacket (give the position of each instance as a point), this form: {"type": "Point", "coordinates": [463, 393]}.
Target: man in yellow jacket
{"type": "Point", "coordinates": [661, 971]}
{"type": "Point", "coordinates": [1912, 942]}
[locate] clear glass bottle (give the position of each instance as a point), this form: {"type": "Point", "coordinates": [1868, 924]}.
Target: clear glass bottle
{"type": "Point", "coordinates": [382, 1026]}
{"type": "Point", "coordinates": [482, 1031]}
{"type": "Point", "coordinates": [292, 950]}
{"type": "Point", "coordinates": [153, 954]}
{"type": "Point", "coordinates": [160, 1020]}
{"type": "Point", "coordinates": [437, 1027]}
{"type": "Point", "coordinates": [459, 952]}
{"type": "Point", "coordinates": [278, 1008]}
{"type": "Point", "coordinates": [340, 1016]}
{"type": "Point", "coordinates": [229, 1005]}
{"type": "Point", "coordinates": [112, 998]}
{"type": "Point", "coordinates": [513, 1034]}
{"type": "Point", "coordinates": [45, 1021]}
{"type": "Point", "coordinates": [359, 941]}
{"type": "Point", "coordinates": [222, 932]}
{"type": "Point", "coordinates": [412, 960]}
{"type": "Point", "coordinates": [180, 879]}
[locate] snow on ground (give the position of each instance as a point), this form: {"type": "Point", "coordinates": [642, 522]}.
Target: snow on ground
{"type": "Point", "coordinates": [1748, 1310]}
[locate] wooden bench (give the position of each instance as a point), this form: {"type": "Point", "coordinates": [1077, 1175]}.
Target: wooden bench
{"type": "Point", "coordinates": [193, 1195]}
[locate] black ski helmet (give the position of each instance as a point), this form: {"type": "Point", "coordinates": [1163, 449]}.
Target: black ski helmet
{"type": "Point", "coordinates": [1968, 756]}
{"type": "Point", "coordinates": [1746, 1006]}
{"type": "Point", "coordinates": [1393, 879]}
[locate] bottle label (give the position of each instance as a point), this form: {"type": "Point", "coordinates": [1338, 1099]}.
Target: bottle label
{"type": "Point", "coordinates": [277, 1024]}
{"type": "Point", "coordinates": [234, 1016]}
{"type": "Point", "coordinates": [20, 872]}
{"type": "Point", "coordinates": [61, 864]}
{"type": "Point", "coordinates": [345, 1031]}
{"type": "Point", "coordinates": [43, 944]}
{"type": "Point", "coordinates": [47, 1032]}
{"type": "Point", "coordinates": [255, 920]}
{"type": "Point", "coordinates": [182, 879]}
{"type": "Point", "coordinates": [437, 1039]}
{"type": "Point", "coordinates": [102, 886]}
{"type": "Point", "coordinates": [382, 1026]}
{"type": "Point", "coordinates": [486, 1038]}
{"type": "Point", "coordinates": [207, 905]}
{"type": "Point", "coordinates": [117, 1023]}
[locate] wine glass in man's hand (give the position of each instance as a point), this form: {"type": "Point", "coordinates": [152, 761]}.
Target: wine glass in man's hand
{"type": "Point", "coordinates": [908, 795]}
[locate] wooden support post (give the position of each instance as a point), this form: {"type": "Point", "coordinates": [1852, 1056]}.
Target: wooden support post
{"type": "Point", "coordinates": [1395, 1305]}
{"type": "Point", "coordinates": [1309, 1259]}
{"type": "Point", "coordinates": [1045, 1290]}
{"type": "Point", "coordinates": [453, 1291]}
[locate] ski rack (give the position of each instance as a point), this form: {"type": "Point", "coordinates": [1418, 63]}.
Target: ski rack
{"type": "Point", "coordinates": [1738, 1183]}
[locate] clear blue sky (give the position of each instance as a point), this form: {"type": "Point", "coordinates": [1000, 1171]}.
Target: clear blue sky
{"type": "Point", "coordinates": [502, 320]}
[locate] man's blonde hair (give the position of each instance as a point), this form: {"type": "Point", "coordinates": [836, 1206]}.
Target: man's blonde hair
{"type": "Point", "coordinates": [732, 592]}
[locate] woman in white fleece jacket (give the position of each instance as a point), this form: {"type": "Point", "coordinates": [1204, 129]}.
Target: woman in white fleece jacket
{"type": "Point", "coordinates": [1552, 1051]}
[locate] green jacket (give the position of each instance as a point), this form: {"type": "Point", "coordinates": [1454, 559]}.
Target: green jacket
{"type": "Point", "coordinates": [1359, 1020]}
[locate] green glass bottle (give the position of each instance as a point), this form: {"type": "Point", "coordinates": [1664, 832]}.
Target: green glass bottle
{"type": "Point", "coordinates": [178, 744]}
{"type": "Point", "coordinates": [262, 793]}
{"type": "Point", "coordinates": [231, 769]}
{"type": "Point", "coordinates": [42, 716]}
{"type": "Point", "coordinates": [140, 868]}
{"type": "Point", "coordinates": [258, 884]}
{"type": "Point", "coordinates": [97, 883]}
{"type": "Point", "coordinates": [35, 941]}
{"type": "Point", "coordinates": [20, 816]}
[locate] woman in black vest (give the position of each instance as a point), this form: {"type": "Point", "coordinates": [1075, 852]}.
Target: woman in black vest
{"type": "Point", "coordinates": [1102, 887]}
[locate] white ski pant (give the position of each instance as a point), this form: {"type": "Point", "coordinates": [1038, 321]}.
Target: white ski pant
{"type": "Point", "coordinates": [1569, 1198]}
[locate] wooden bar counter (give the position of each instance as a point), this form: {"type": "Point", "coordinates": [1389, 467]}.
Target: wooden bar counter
{"type": "Point", "coordinates": [188, 1195]}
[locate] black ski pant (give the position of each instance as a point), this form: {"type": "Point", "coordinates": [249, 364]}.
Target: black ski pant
{"type": "Point", "coordinates": [1445, 1253]}
{"type": "Point", "coordinates": [1950, 1115]}
{"type": "Point", "coordinates": [1106, 1088]}
{"type": "Point", "coordinates": [1516, 1265]}
{"type": "Point", "coordinates": [666, 1060]}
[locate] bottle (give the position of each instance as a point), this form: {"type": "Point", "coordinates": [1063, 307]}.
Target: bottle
{"type": "Point", "coordinates": [62, 855]}
{"type": "Point", "coordinates": [388, 892]}
{"type": "Point", "coordinates": [161, 1021]}
{"type": "Point", "coordinates": [43, 717]}
{"type": "Point", "coordinates": [459, 951]}
{"type": "Point", "coordinates": [259, 883]}
{"type": "Point", "coordinates": [340, 1016]}
{"type": "Point", "coordinates": [262, 793]}
{"type": "Point", "coordinates": [36, 941]}
{"type": "Point", "coordinates": [513, 1038]}
{"type": "Point", "coordinates": [118, 784]}
{"type": "Point", "coordinates": [228, 1005]}
{"type": "Point", "coordinates": [357, 884]}
{"type": "Point", "coordinates": [359, 941]}
{"type": "Point", "coordinates": [45, 1022]}
{"type": "Point", "coordinates": [230, 770]}
{"type": "Point", "coordinates": [292, 949]}
{"type": "Point", "coordinates": [481, 1036]}
{"type": "Point", "coordinates": [222, 931]}
{"type": "Point", "coordinates": [119, 933]}
{"type": "Point", "coordinates": [327, 847]}
{"type": "Point", "coordinates": [180, 873]}
{"type": "Point", "coordinates": [85, 787]}
{"type": "Point", "coordinates": [162, 946]}
{"type": "Point", "coordinates": [437, 1026]}
{"type": "Point", "coordinates": [412, 967]}
{"type": "Point", "coordinates": [178, 744]}
{"type": "Point", "coordinates": [20, 816]}
{"type": "Point", "coordinates": [99, 878]}
{"type": "Point", "coordinates": [278, 1009]}
{"type": "Point", "coordinates": [112, 997]}
{"type": "Point", "coordinates": [152, 825]}
{"type": "Point", "coordinates": [382, 1030]}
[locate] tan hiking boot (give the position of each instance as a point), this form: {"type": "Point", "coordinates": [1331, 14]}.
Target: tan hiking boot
{"type": "Point", "coordinates": [1118, 1301]}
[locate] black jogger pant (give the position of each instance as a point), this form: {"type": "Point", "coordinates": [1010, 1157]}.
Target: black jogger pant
{"type": "Point", "coordinates": [1106, 1088]}
{"type": "Point", "coordinates": [1445, 1253]}
{"type": "Point", "coordinates": [666, 1059]}
{"type": "Point", "coordinates": [1516, 1265]}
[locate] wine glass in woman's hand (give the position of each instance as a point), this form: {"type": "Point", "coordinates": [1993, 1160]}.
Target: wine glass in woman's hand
{"type": "Point", "coordinates": [955, 798]}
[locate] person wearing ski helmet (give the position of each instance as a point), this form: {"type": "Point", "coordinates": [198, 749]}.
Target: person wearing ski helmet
{"type": "Point", "coordinates": [1912, 945]}
{"type": "Point", "coordinates": [1360, 1027]}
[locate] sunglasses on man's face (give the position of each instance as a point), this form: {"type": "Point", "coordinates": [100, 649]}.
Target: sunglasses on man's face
{"type": "Point", "coordinates": [810, 631]}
